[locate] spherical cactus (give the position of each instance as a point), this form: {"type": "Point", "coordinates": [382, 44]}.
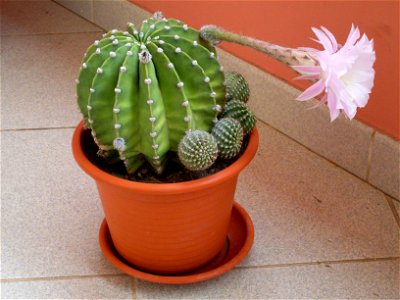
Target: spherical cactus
{"type": "Point", "coordinates": [141, 90]}
{"type": "Point", "coordinates": [239, 111]}
{"type": "Point", "coordinates": [229, 135]}
{"type": "Point", "coordinates": [237, 87]}
{"type": "Point", "coordinates": [198, 150]}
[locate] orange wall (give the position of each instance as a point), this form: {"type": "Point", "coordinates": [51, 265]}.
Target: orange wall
{"type": "Point", "coordinates": [289, 23]}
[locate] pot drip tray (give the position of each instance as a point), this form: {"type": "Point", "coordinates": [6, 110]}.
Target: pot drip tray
{"type": "Point", "coordinates": [238, 244]}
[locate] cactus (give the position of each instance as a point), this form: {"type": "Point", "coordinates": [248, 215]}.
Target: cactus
{"type": "Point", "coordinates": [229, 135]}
{"type": "Point", "coordinates": [239, 111]}
{"type": "Point", "coordinates": [140, 90]}
{"type": "Point", "coordinates": [198, 150]}
{"type": "Point", "coordinates": [237, 87]}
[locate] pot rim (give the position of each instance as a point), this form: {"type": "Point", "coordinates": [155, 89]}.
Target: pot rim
{"type": "Point", "coordinates": [163, 188]}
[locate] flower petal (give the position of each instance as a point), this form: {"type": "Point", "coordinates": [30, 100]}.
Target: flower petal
{"type": "Point", "coordinates": [354, 35]}
{"type": "Point", "coordinates": [323, 39]}
{"type": "Point", "coordinates": [307, 70]}
{"type": "Point", "coordinates": [349, 109]}
{"type": "Point", "coordinates": [314, 90]}
{"type": "Point", "coordinates": [333, 111]}
{"type": "Point", "coordinates": [307, 77]}
{"type": "Point", "coordinates": [319, 103]}
{"type": "Point", "coordinates": [331, 38]}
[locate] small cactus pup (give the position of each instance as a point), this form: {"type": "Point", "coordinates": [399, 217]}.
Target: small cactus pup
{"type": "Point", "coordinates": [238, 110]}
{"type": "Point", "coordinates": [237, 87]}
{"type": "Point", "coordinates": [140, 90]}
{"type": "Point", "coordinates": [229, 135]}
{"type": "Point", "coordinates": [198, 150]}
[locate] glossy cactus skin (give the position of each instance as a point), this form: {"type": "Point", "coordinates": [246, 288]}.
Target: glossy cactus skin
{"type": "Point", "coordinates": [198, 150]}
{"type": "Point", "coordinates": [239, 111]}
{"type": "Point", "coordinates": [237, 87]}
{"type": "Point", "coordinates": [141, 90]}
{"type": "Point", "coordinates": [229, 135]}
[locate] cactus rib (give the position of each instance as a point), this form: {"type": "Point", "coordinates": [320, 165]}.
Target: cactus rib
{"type": "Point", "coordinates": [239, 111]}
{"type": "Point", "coordinates": [141, 90]}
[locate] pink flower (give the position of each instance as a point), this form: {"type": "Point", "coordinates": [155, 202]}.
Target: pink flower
{"type": "Point", "coordinates": [344, 73]}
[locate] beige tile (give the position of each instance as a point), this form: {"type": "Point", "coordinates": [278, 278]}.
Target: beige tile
{"type": "Point", "coordinates": [374, 280]}
{"type": "Point", "coordinates": [306, 209]}
{"type": "Point", "coordinates": [38, 88]}
{"type": "Point", "coordinates": [51, 213]}
{"type": "Point", "coordinates": [116, 287]}
{"type": "Point", "coordinates": [84, 8]}
{"type": "Point", "coordinates": [385, 165]}
{"type": "Point", "coordinates": [343, 142]}
{"type": "Point", "coordinates": [32, 17]}
{"type": "Point", "coordinates": [115, 14]}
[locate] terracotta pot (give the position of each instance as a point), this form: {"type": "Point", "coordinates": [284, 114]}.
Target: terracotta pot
{"type": "Point", "coordinates": [167, 228]}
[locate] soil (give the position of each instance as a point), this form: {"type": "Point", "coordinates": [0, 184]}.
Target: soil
{"type": "Point", "coordinates": [174, 171]}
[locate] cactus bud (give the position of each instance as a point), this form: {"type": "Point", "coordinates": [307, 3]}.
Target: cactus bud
{"type": "Point", "coordinates": [198, 150]}
{"type": "Point", "coordinates": [229, 135]}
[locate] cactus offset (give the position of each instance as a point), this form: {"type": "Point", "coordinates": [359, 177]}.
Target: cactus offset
{"type": "Point", "coordinates": [141, 90]}
{"type": "Point", "coordinates": [198, 150]}
{"type": "Point", "coordinates": [237, 87]}
{"type": "Point", "coordinates": [229, 135]}
{"type": "Point", "coordinates": [239, 111]}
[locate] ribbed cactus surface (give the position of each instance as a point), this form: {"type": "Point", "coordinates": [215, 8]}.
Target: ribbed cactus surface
{"type": "Point", "coordinates": [237, 87]}
{"type": "Point", "coordinates": [198, 150]}
{"type": "Point", "coordinates": [229, 135]}
{"type": "Point", "coordinates": [141, 90]}
{"type": "Point", "coordinates": [238, 110]}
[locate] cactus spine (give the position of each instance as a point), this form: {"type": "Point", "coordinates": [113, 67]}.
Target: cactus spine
{"type": "Point", "coordinates": [239, 111]}
{"type": "Point", "coordinates": [198, 150]}
{"type": "Point", "coordinates": [237, 87]}
{"type": "Point", "coordinates": [141, 90]}
{"type": "Point", "coordinates": [229, 135]}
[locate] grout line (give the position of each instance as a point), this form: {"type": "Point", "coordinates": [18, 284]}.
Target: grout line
{"type": "Point", "coordinates": [394, 210]}
{"type": "Point", "coordinates": [49, 33]}
{"type": "Point", "coordinates": [325, 158]}
{"type": "Point", "coordinates": [55, 278]}
{"type": "Point", "coordinates": [393, 199]}
{"type": "Point", "coordinates": [35, 129]}
{"type": "Point", "coordinates": [371, 144]}
{"type": "Point", "coordinates": [269, 266]}
{"type": "Point", "coordinates": [318, 263]}
{"type": "Point", "coordinates": [133, 287]}
{"type": "Point", "coordinates": [83, 18]}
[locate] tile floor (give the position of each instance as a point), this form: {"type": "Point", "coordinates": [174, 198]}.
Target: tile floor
{"type": "Point", "coordinates": [320, 231]}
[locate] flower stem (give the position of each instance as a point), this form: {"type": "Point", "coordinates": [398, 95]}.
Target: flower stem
{"type": "Point", "coordinates": [288, 56]}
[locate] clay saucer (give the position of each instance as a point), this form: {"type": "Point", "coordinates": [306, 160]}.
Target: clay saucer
{"type": "Point", "coordinates": [238, 244]}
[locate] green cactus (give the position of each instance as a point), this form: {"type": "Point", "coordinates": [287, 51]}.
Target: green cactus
{"type": "Point", "coordinates": [229, 135]}
{"type": "Point", "coordinates": [239, 111]}
{"type": "Point", "coordinates": [237, 87]}
{"type": "Point", "coordinates": [198, 150]}
{"type": "Point", "coordinates": [140, 90]}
